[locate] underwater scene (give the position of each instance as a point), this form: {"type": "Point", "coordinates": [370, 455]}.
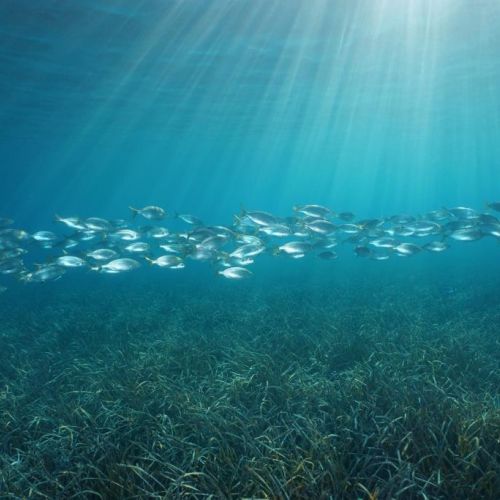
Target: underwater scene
{"type": "Point", "coordinates": [250, 249]}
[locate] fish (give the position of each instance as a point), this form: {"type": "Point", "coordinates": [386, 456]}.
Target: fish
{"type": "Point", "coordinates": [101, 243]}
{"type": "Point", "coordinates": [436, 246]}
{"type": "Point", "coordinates": [321, 226]}
{"type": "Point", "coordinates": [168, 261]}
{"type": "Point", "coordinates": [260, 218]}
{"type": "Point", "coordinates": [362, 251]}
{"type": "Point", "coordinates": [235, 273]}
{"type": "Point", "coordinates": [189, 219]}
{"type": "Point", "coordinates": [102, 254]}
{"type": "Point", "coordinates": [50, 272]}
{"type": "Point", "coordinates": [463, 212]}
{"type": "Point", "coordinates": [328, 255]}
{"type": "Point", "coordinates": [137, 247]}
{"type": "Point", "coordinates": [70, 261]}
{"type": "Point", "coordinates": [98, 224]}
{"type": "Point", "coordinates": [118, 266]}
{"type": "Point", "coordinates": [384, 242]}
{"type": "Point", "coordinates": [407, 249]}
{"type": "Point", "coordinates": [45, 236]}
{"type": "Point", "coordinates": [247, 250]}
{"type": "Point", "coordinates": [4, 222]}
{"type": "Point", "coordinates": [346, 216]}
{"type": "Point", "coordinates": [150, 212]}
{"type": "Point", "coordinates": [494, 205]}
{"type": "Point", "coordinates": [467, 234]}
{"type": "Point", "coordinates": [71, 222]}
{"type": "Point", "coordinates": [295, 248]}
{"type": "Point", "coordinates": [313, 210]}
{"type": "Point", "coordinates": [158, 232]}
{"type": "Point", "coordinates": [126, 235]}
{"type": "Point", "coordinates": [278, 230]}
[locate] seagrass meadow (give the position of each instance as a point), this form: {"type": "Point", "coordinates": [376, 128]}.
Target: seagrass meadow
{"type": "Point", "coordinates": [351, 388]}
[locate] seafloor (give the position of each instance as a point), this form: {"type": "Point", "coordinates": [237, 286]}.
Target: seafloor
{"type": "Point", "coordinates": [353, 390]}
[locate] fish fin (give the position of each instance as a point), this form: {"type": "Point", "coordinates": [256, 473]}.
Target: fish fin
{"type": "Point", "coordinates": [149, 260]}
{"type": "Point", "coordinates": [134, 211]}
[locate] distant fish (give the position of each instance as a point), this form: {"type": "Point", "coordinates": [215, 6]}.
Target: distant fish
{"type": "Point", "coordinates": [495, 205]}
{"type": "Point", "coordinates": [189, 219]}
{"type": "Point", "coordinates": [3, 289]}
{"type": "Point", "coordinates": [313, 210]}
{"type": "Point", "coordinates": [327, 255]}
{"type": "Point", "coordinates": [362, 251]}
{"type": "Point", "coordinates": [4, 222]}
{"type": "Point", "coordinates": [436, 246]}
{"type": "Point", "coordinates": [260, 218]}
{"type": "Point", "coordinates": [235, 273]}
{"type": "Point", "coordinates": [150, 212]}
{"type": "Point", "coordinates": [346, 216]}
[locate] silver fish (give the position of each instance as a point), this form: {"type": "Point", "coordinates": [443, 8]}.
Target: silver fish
{"type": "Point", "coordinates": [119, 266]}
{"type": "Point", "coordinates": [407, 249]}
{"type": "Point", "coordinates": [235, 273]}
{"type": "Point", "coordinates": [295, 248]}
{"type": "Point", "coordinates": [102, 254]}
{"type": "Point", "coordinates": [313, 210]}
{"type": "Point", "coordinates": [436, 246]}
{"type": "Point", "coordinates": [189, 219]}
{"type": "Point", "coordinates": [150, 212]}
{"type": "Point", "coordinates": [98, 224]}
{"type": "Point", "coordinates": [467, 234]}
{"type": "Point", "coordinates": [45, 236]}
{"type": "Point", "coordinates": [71, 222]}
{"type": "Point", "coordinates": [70, 261]}
{"type": "Point", "coordinates": [168, 261]}
{"type": "Point", "coordinates": [137, 247]}
{"type": "Point", "coordinates": [260, 218]}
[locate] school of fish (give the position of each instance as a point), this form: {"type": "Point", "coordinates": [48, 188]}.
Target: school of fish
{"type": "Point", "coordinates": [118, 246]}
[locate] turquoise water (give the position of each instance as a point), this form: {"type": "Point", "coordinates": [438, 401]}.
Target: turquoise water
{"type": "Point", "coordinates": [313, 378]}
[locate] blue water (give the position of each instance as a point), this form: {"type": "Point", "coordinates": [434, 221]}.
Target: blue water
{"type": "Point", "coordinates": [378, 107]}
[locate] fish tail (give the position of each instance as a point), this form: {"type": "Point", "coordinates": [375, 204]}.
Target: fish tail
{"type": "Point", "coordinates": [134, 211]}
{"type": "Point", "coordinates": [149, 260]}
